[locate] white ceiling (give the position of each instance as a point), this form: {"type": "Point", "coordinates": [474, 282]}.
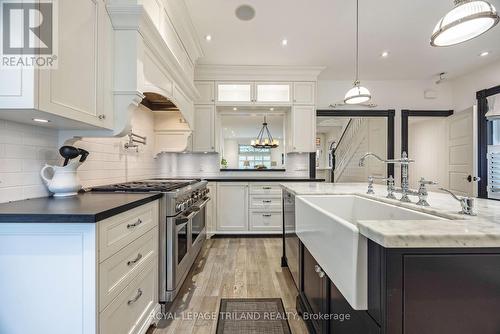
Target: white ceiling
{"type": "Point", "coordinates": [321, 33]}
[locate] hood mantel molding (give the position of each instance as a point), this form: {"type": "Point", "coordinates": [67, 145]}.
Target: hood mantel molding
{"type": "Point", "coordinates": [143, 62]}
{"type": "Point", "coordinates": [127, 18]}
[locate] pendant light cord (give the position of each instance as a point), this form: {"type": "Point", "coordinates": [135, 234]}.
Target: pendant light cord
{"type": "Point", "coordinates": [357, 40]}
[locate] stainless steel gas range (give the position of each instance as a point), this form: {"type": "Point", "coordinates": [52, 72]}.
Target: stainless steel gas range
{"type": "Point", "coordinates": [182, 226]}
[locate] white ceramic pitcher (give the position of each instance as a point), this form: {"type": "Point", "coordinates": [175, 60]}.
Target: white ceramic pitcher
{"type": "Point", "coordinates": [64, 180]}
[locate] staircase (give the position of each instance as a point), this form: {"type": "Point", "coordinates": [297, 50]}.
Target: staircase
{"type": "Point", "coordinates": [347, 147]}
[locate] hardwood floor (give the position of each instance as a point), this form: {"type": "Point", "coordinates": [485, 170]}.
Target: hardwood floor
{"type": "Point", "coordinates": [230, 268]}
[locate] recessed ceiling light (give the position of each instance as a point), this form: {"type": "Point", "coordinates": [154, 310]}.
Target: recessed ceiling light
{"type": "Point", "coordinates": [484, 53]}
{"type": "Point", "coordinates": [385, 54]}
{"type": "Point", "coordinates": [208, 38]}
{"type": "Point", "coordinates": [234, 109]}
{"type": "Point", "coordinates": [271, 109]}
{"type": "Point", "coordinates": [284, 42]}
{"type": "Point", "coordinates": [41, 120]}
{"type": "Point", "coordinates": [245, 12]}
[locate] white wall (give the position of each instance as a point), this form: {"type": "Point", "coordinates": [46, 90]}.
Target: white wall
{"type": "Point", "coordinates": [464, 88]}
{"type": "Point", "coordinates": [395, 94]}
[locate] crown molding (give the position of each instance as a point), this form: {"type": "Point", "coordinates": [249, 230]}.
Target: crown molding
{"type": "Point", "coordinates": [257, 72]}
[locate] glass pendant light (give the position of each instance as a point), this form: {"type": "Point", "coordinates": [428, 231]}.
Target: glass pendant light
{"type": "Point", "coordinates": [466, 21]}
{"type": "Point", "coordinates": [357, 94]}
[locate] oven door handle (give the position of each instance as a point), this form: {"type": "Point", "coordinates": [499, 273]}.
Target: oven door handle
{"type": "Point", "coordinates": [202, 205]}
{"type": "Point", "coordinates": [181, 221]}
{"type": "Point", "coordinates": [188, 217]}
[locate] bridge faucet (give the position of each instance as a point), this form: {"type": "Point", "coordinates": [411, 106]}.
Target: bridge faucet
{"type": "Point", "coordinates": [404, 162]}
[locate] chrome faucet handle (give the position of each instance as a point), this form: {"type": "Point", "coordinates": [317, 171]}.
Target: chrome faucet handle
{"type": "Point", "coordinates": [422, 191]}
{"type": "Point", "coordinates": [370, 185]}
{"type": "Point", "coordinates": [467, 203]}
{"type": "Point", "coordinates": [371, 179]}
{"type": "Point", "coordinates": [391, 187]}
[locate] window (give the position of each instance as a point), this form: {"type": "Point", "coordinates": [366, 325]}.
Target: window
{"type": "Point", "coordinates": [254, 157]}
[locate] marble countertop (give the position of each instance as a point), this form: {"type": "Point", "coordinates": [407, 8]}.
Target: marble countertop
{"type": "Point", "coordinates": [455, 230]}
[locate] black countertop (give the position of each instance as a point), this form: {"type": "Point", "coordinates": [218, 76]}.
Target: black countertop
{"type": "Point", "coordinates": [259, 179]}
{"type": "Point", "coordinates": [84, 208]}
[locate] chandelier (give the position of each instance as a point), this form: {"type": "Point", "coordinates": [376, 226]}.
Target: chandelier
{"type": "Point", "coordinates": [264, 138]}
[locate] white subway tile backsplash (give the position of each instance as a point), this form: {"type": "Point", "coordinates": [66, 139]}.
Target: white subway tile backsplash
{"type": "Point", "coordinates": [25, 149]}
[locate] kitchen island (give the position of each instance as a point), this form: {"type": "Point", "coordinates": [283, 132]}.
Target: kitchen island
{"type": "Point", "coordinates": [435, 271]}
{"type": "Point", "coordinates": [85, 264]}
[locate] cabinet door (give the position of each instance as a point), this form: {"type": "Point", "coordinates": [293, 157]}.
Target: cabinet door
{"type": "Point", "coordinates": [304, 93]}
{"type": "Point", "coordinates": [207, 92]}
{"type": "Point", "coordinates": [315, 289]}
{"type": "Point", "coordinates": [303, 129]}
{"type": "Point", "coordinates": [345, 319]}
{"type": "Point", "coordinates": [77, 89]}
{"type": "Point", "coordinates": [204, 125]}
{"type": "Point", "coordinates": [235, 93]}
{"type": "Point", "coordinates": [273, 93]}
{"type": "Point", "coordinates": [212, 209]}
{"type": "Point", "coordinates": [232, 207]}
{"type": "Point", "coordinates": [17, 88]}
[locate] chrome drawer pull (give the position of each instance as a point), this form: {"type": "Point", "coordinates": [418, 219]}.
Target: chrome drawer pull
{"type": "Point", "coordinates": [137, 223]}
{"type": "Point", "coordinates": [134, 261]}
{"type": "Point", "coordinates": [267, 201]}
{"type": "Point", "coordinates": [267, 188]}
{"type": "Point", "coordinates": [267, 215]}
{"type": "Point", "coordinates": [136, 298]}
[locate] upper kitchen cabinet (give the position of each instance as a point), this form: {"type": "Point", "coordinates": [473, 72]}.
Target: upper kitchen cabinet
{"type": "Point", "coordinates": [206, 90]}
{"type": "Point", "coordinates": [304, 93]}
{"type": "Point", "coordinates": [263, 93]}
{"type": "Point", "coordinates": [78, 93]}
{"type": "Point", "coordinates": [204, 124]}
{"type": "Point", "coordinates": [273, 93]}
{"type": "Point", "coordinates": [235, 93]}
{"type": "Point", "coordinates": [302, 129]}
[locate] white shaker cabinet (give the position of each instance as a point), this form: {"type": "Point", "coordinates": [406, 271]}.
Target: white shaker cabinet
{"type": "Point", "coordinates": [206, 89]}
{"type": "Point", "coordinates": [302, 129]}
{"type": "Point", "coordinates": [204, 124]}
{"type": "Point", "coordinates": [80, 89]}
{"type": "Point", "coordinates": [232, 207]}
{"type": "Point", "coordinates": [304, 93]}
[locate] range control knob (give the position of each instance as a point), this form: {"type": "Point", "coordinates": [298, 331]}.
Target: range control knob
{"type": "Point", "coordinates": [179, 207]}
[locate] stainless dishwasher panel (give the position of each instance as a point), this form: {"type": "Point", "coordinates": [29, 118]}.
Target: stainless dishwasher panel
{"type": "Point", "coordinates": [290, 238]}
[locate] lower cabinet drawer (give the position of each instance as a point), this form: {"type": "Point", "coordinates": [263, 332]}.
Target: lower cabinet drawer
{"type": "Point", "coordinates": [266, 203]}
{"type": "Point", "coordinates": [118, 271]}
{"type": "Point", "coordinates": [266, 221]}
{"type": "Point", "coordinates": [130, 312]}
{"type": "Point", "coordinates": [265, 189]}
{"type": "Point", "coordinates": [120, 230]}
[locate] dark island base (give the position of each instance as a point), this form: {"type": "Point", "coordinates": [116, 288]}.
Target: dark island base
{"type": "Point", "coordinates": [410, 291]}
